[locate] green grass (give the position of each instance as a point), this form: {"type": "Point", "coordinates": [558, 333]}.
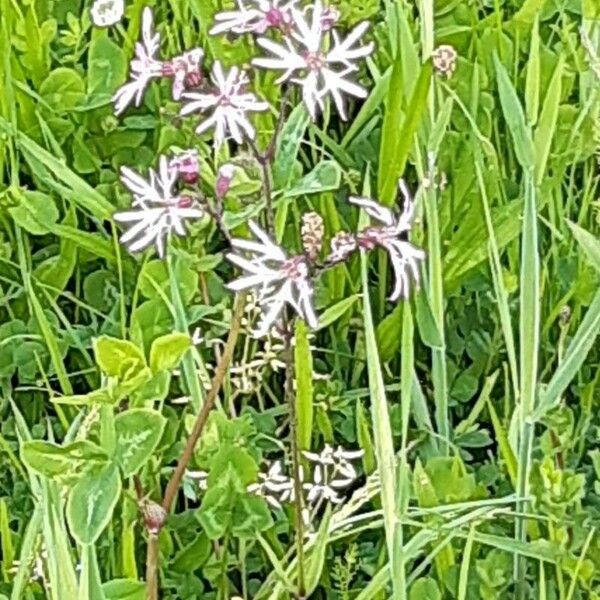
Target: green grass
{"type": "Point", "coordinates": [475, 402]}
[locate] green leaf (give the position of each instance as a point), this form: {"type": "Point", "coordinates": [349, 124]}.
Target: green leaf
{"type": "Point", "coordinates": [303, 370]}
{"type": "Point", "coordinates": [107, 65]}
{"type": "Point", "coordinates": [154, 275]}
{"type": "Point", "coordinates": [192, 556]}
{"type": "Point", "coordinates": [36, 212]}
{"type": "Point", "coordinates": [425, 588]}
{"type": "Point", "coordinates": [514, 116]}
{"type": "Point", "coordinates": [288, 146]}
{"type": "Point", "coordinates": [332, 313]}
{"type": "Point", "coordinates": [101, 396]}
{"type": "Point", "coordinates": [589, 244]}
{"type": "Point", "coordinates": [324, 177]}
{"type": "Point", "coordinates": [124, 589]}
{"type": "Point", "coordinates": [118, 358]}
{"type": "Point", "coordinates": [167, 351]}
{"type": "Point", "coordinates": [138, 432]}
{"type": "Point", "coordinates": [63, 89]}
{"type": "Point", "coordinates": [92, 502]}
{"type": "Point", "coordinates": [62, 462]}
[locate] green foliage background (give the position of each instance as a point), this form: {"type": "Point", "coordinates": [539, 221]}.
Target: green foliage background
{"type": "Point", "coordinates": [484, 384]}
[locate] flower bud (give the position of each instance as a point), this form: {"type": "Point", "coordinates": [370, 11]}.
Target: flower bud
{"type": "Point", "coordinates": [224, 179]}
{"type": "Point", "coordinates": [154, 516]}
{"type": "Point", "coordinates": [329, 17]}
{"type": "Point", "coordinates": [444, 60]}
{"type": "Point", "coordinates": [312, 234]}
{"type": "Point", "coordinates": [187, 166]}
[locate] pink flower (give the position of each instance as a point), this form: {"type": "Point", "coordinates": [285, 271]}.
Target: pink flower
{"type": "Point", "coordinates": [264, 15]}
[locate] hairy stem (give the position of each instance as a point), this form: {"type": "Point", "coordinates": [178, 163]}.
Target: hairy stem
{"type": "Point", "coordinates": [152, 553]}
{"type": "Point", "coordinates": [291, 401]}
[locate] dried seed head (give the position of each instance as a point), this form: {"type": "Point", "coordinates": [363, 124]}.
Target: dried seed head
{"type": "Point", "coordinates": [342, 245]}
{"type": "Point", "coordinates": [154, 516]}
{"type": "Point", "coordinates": [444, 60]}
{"type": "Point", "coordinates": [564, 315]}
{"type": "Point", "coordinates": [312, 235]}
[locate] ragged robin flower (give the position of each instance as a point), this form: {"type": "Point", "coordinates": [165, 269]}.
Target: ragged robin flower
{"type": "Point", "coordinates": [277, 279]}
{"type": "Point", "coordinates": [262, 15]}
{"type": "Point", "coordinates": [307, 58]}
{"type": "Point", "coordinates": [157, 211]}
{"type": "Point", "coordinates": [404, 257]}
{"type": "Point", "coordinates": [229, 102]}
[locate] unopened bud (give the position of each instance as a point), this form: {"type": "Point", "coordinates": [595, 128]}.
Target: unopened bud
{"type": "Point", "coordinates": [154, 516]}
{"type": "Point", "coordinates": [444, 60]}
{"type": "Point", "coordinates": [224, 179]}
{"type": "Point", "coordinates": [312, 234]}
{"type": "Point", "coordinates": [187, 166]}
{"type": "Point", "coordinates": [565, 315]}
{"type": "Point", "coordinates": [329, 17]}
{"type": "Point", "coordinates": [342, 245]}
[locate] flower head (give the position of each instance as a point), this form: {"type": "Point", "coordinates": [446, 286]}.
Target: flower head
{"type": "Point", "coordinates": [403, 255]}
{"type": "Point", "coordinates": [307, 56]}
{"type": "Point", "coordinates": [342, 245]}
{"type": "Point", "coordinates": [107, 12]}
{"type": "Point", "coordinates": [263, 15]}
{"type": "Point", "coordinates": [277, 279]}
{"type": "Point", "coordinates": [158, 211]}
{"type": "Point", "coordinates": [229, 103]}
{"type": "Point", "coordinates": [143, 68]}
{"type": "Point", "coordinates": [444, 60]}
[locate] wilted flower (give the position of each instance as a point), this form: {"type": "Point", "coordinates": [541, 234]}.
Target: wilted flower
{"type": "Point", "coordinates": [320, 488]}
{"type": "Point", "coordinates": [264, 15]}
{"type": "Point", "coordinates": [186, 71]}
{"type": "Point", "coordinates": [307, 53]}
{"type": "Point", "coordinates": [273, 486]}
{"type": "Point", "coordinates": [154, 516]}
{"type": "Point", "coordinates": [342, 245]}
{"type": "Point", "coordinates": [444, 60]}
{"type": "Point", "coordinates": [229, 102]}
{"type": "Point", "coordinates": [186, 166]}
{"type": "Point", "coordinates": [312, 234]}
{"type": "Point", "coordinates": [157, 210]}
{"type": "Point", "coordinates": [403, 255]}
{"type": "Point", "coordinates": [143, 68]}
{"type": "Point", "coordinates": [277, 279]}
{"type": "Point", "coordinates": [107, 12]}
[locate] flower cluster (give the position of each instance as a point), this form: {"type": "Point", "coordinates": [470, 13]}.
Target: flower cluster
{"type": "Point", "coordinates": [332, 471]}
{"type": "Point", "coordinates": [309, 52]}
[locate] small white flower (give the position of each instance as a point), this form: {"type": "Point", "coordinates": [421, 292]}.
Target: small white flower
{"type": "Point", "coordinates": [143, 68]}
{"type": "Point", "coordinates": [274, 486]}
{"type": "Point", "coordinates": [229, 103]}
{"type": "Point", "coordinates": [403, 255]}
{"type": "Point", "coordinates": [158, 211]}
{"type": "Point", "coordinates": [278, 280]}
{"type": "Point", "coordinates": [319, 488]}
{"type": "Point", "coordinates": [337, 461]}
{"type": "Point", "coordinates": [105, 13]}
{"type": "Point", "coordinates": [307, 53]}
{"type": "Point", "coordinates": [265, 14]}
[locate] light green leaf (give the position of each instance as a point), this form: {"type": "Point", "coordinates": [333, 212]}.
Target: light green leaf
{"type": "Point", "coordinates": [118, 358]}
{"type": "Point", "coordinates": [303, 368]}
{"type": "Point", "coordinates": [36, 212]}
{"type": "Point", "coordinates": [287, 148]}
{"type": "Point", "coordinates": [91, 503]}
{"type": "Point", "coordinates": [138, 432]}
{"type": "Point", "coordinates": [124, 589]}
{"type": "Point", "coordinates": [69, 461]}
{"type": "Point", "coordinates": [325, 176]}
{"type": "Point", "coordinates": [589, 243]}
{"type": "Point", "coordinates": [63, 89]}
{"type": "Point", "coordinates": [167, 351]}
{"type": "Point", "coordinates": [332, 313]}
